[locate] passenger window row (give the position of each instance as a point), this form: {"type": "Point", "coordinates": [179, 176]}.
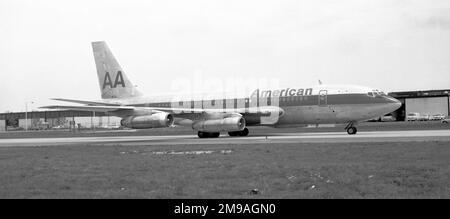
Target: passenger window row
{"type": "Point", "coordinates": [246, 101]}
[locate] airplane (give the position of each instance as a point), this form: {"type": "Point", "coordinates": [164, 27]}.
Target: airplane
{"type": "Point", "coordinates": [209, 116]}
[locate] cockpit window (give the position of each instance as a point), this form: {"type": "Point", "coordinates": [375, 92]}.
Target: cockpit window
{"type": "Point", "coordinates": [376, 93]}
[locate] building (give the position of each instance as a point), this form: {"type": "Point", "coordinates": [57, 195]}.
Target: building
{"type": "Point", "coordinates": [429, 102]}
{"type": "Point", "coordinates": [2, 125]}
{"type": "Point", "coordinates": [59, 119]}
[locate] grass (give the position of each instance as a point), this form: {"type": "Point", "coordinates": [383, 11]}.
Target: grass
{"type": "Point", "coordinates": [336, 170]}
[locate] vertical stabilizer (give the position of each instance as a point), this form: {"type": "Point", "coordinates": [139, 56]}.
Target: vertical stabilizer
{"type": "Point", "coordinates": [112, 79]}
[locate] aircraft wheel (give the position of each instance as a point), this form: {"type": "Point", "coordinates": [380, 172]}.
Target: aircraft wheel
{"type": "Point", "coordinates": [208, 134]}
{"type": "Point", "coordinates": [244, 132]}
{"type": "Point", "coordinates": [233, 133]}
{"type": "Point", "coordinates": [352, 130]}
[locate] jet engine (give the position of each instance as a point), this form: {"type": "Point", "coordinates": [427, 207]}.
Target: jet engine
{"type": "Point", "coordinates": [156, 120]}
{"type": "Point", "coordinates": [228, 124]}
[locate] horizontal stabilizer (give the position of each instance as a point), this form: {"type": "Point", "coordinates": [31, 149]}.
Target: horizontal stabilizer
{"type": "Point", "coordinates": [91, 108]}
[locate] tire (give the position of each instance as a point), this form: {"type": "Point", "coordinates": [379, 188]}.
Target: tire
{"type": "Point", "coordinates": [352, 130]}
{"type": "Point", "coordinates": [244, 132]}
{"type": "Point", "coordinates": [208, 134]}
{"type": "Point", "coordinates": [232, 134]}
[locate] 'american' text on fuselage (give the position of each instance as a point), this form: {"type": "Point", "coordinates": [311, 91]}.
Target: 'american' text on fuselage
{"type": "Point", "coordinates": [282, 93]}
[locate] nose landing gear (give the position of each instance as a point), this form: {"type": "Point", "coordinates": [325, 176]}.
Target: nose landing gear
{"type": "Point", "coordinates": [351, 130]}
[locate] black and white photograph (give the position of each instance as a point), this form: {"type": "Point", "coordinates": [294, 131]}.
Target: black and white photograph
{"type": "Point", "coordinates": [225, 100]}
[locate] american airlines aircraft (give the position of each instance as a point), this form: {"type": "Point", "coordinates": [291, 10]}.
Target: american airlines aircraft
{"type": "Point", "coordinates": [321, 104]}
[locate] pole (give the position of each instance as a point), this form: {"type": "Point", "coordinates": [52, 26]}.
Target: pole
{"type": "Point", "coordinates": [448, 105]}
{"type": "Point", "coordinates": [93, 124]}
{"type": "Point", "coordinates": [26, 116]}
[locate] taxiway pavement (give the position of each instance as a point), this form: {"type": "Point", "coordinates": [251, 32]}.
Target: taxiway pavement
{"type": "Point", "coordinates": [278, 138]}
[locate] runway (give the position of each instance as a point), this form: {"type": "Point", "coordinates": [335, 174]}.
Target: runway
{"type": "Point", "coordinates": [279, 138]}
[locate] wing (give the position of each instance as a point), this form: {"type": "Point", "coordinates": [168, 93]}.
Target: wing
{"type": "Point", "coordinates": [96, 103]}
{"type": "Point", "coordinates": [101, 106]}
{"type": "Point", "coordinates": [183, 113]}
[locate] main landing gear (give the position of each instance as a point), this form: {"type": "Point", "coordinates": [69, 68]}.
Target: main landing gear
{"type": "Point", "coordinates": [201, 134]}
{"type": "Point", "coordinates": [351, 130]}
{"type": "Point", "coordinates": [244, 132]}
{"type": "Point", "coordinates": [208, 134]}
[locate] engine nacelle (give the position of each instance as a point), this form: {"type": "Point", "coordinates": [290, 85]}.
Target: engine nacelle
{"type": "Point", "coordinates": [156, 120]}
{"type": "Point", "coordinates": [229, 124]}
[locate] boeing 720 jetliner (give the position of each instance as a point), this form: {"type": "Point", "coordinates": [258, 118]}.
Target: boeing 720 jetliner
{"type": "Point", "coordinates": [321, 104]}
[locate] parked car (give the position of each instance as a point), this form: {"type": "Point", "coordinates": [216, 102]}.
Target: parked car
{"type": "Point", "coordinates": [447, 120]}
{"type": "Point", "coordinates": [438, 117]}
{"type": "Point", "coordinates": [413, 117]}
{"type": "Point", "coordinates": [374, 119]}
{"type": "Point", "coordinates": [424, 117]}
{"type": "Point", "coordinates": [387, 119]}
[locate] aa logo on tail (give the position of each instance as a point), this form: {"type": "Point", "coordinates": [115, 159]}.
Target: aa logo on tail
{"type": "Point", "coordinates": [118, 81]}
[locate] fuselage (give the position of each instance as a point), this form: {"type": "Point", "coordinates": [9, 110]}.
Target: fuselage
{"type": "Point", "coordinates": [321, 104]}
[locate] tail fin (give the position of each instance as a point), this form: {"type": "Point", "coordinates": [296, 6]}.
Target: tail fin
{"type": "Point", "coordinates": [111, 78]}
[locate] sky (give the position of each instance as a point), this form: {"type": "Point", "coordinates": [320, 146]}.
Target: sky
{"type": "Point", "coordinates": [392, 45]}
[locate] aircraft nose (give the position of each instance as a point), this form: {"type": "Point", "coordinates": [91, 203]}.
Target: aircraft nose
{"type": "Point", "coordinates": [395, 103]}
{"type": "Point", "coordinates": [398, 104]}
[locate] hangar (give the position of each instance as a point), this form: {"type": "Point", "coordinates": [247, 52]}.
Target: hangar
{"type": "Point", "coordinates": [428, 102]}
{"type": "Point", "coordinates": [62, 118]}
